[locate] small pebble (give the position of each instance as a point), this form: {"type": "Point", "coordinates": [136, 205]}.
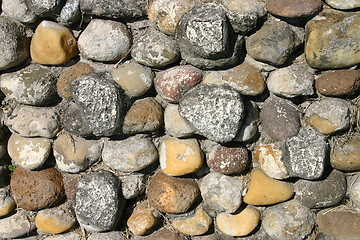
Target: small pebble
{"type": "Point", "coordinates": [112, 235]}
{"type": "Point", "coordinates": [17, 225]}
{"type": "Point", "coordinates": [293, 8]}
{"type": "Point", "coordinates": [345, 155]}
{"type": "Point", "coordinates": [175, 124]}
{"type": "Point", "coordinates": [132, 185]}
{"type": "Point", "coordinates": [7, 203]}
{"type": "Point", "coordinates": [343, 5]}
{"type": "Point", "coordinates": [142, 220]}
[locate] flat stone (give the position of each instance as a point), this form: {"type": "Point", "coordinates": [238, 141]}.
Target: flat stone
{"type": "Point", "coordinates": [345, 155]}
{"type": "Point", "coordinates": [329, 115]}
{"type": "Point", "coordinates": [332, 40]}
{"type": "Point", "coordinates": [105, 40]}
{"type": "Point", "coordinates": [142, 220]}
{"type": "Point", "coordinates": [172, 195]}
{"type": "Point", "coordinates": [98, 201]}
{"type": "Point", "coordinates": [321, 193]}
{"type": "Point", "coordinates": [14, 43]}
{"type": "Point", "coordinates": [263, 190]}
{"type": "Point", "coordinates": [7, 202]}
{"type": "Point", "coordinates": [17, 225]}
{"type": "Point", "coordinates": [180, 156]}
{"type": "Point", "coordinates": [162, 234]}
{"type": "Point", "coordinates": [134, 78]}
{"type": "Point", "coordinates": [220, 193]}
{"type": "Point", "coordinates": [145, 115]}
{"type": "Point", "coordinates": [340, 222]}
{"type": "Point", "coordinates": [228, 160]}
{"type": "Point", "coordinates": [293, 8]}
{"type": "Point", "coordinates": [305, 154]}
{"type": "Point", "coordinates": [354, 190]}
{"type": "Point", "coordinates": [288, 221]}
{"type": "Point", "coordinates": [18, 10]}
{"type": "Point", "coordinates": [29, 153]}
{"type": "Point", "coordinates": [343, 5]}
{"type": "Point", "coordinates": [70, 74]}
{"type": "Point", "coordinates": [175, 124]}
{"type": "Point", "coordinates": [292, 81]}
{"type": "Point", "coordinates": [155, 49]}
{"type": "Point", "coordinates": [280, 118]}
{"type": "Point", "coordinates": [238, 224]}
{"type": "Point", "coordinates": [107, 235]}
{"type": "Point", "coordinates": [30, 121]}
{"type": "Point", "coordinates": [131, 154]}
{"type": "Point", "coordinates": [35, 190]}
{"type": "Point", "coordinates": [338, 83]}
{"type": "Point", "coordinates": [74, 154]}
{"type": "Point", "coordinates": [215, 111]}
{"type": "Point", "coordinates": [133, 185]}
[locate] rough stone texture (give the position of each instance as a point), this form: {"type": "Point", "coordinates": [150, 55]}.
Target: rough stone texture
{"type": "Point", "coordinates": [292, 81]}
{"type": "Point", "coordinates": [226, 160]}
{"type": "Point", "coordinates": [100, 102]}
{"type": "Point", "coordinates": [35, 190]}
{"type": "Point", "coordinates": [70, 12]}
{"type": "Point", "coordinates": [142, 220]}
{"type": "Point", "coordinates": [332, 40]}
{"type": "Point", "coordinates": [293, 8]}
{"type": "Point", "coordinates": [354, 190]}
{"type": "Point", "coordinates": [18, 10]}
{"type": "Point", "coordinates": [343, 5]}
{"type": "Point", "coordinates": [107, 236]}
{"type": "Point", "coordinates": [305, 154]}
{"type": "Point", "coordinates": [280, 118]}
{"type": "Point", "coordinates": [29, 121]}
{"type": "Point", "coordinates": [340, 222]}
{"type": "Point", "coordinates": [17, 225]}
{"type": "Point", "coordinates": [322, 193]}
{"type": "Point", "coordinates": [74, 154]}
{"type": "Point", "coordinates": [131, 154]}
{"type": "Point", "coordinates": [98, 201]}
{"type": "Point", "coordinates": [44, 8]}
{"type": "Point", "coordinates": [162, 234]}
{"type": "Point", "coordinates": [73, 122]}
{"type": "Point", "coordinates": [288, 221]}
{"type": "Point", "coordinates": [145, 115]}
{"type": "Point", "coordinates": [172, 195]}
{"type": "Point", "coordinates": [7, 202]}
{"type": "Point", "coordinates": [220, 193]}
{"type": "Point", "coordinates": [32, 85]}
{"type": "Point", "coordinates": [206, 39]}
{"type": "Point", "coordinates": [322, 236]}
{"type": "Point", "coordinates": [155, 49]}
{"type": "Point", "coordinates": [70, 74]}
{"type": "Point", "coordinates": [345, 155]}
{"type": "Point", "coordinates": [132, 185]}
{"type": "Point", "coordinates": [52, 44]}
{"type": "Point", "coordinates": [329, 115]}
{"type": "Point", "coordinates": [175, 124]}
{"type": "Point", "coordinates": [65, 236]}
{"type": "Point", "coordinates": [215, 111]}
{"type": "Point", "coordinates": [14, 45]}
{"type": "Point", "coordinates": [134, 78]}
{"type": "Point", "coordinates": [338, 83]}
{"type": "Point", "coordinates": [105, 40]}
{"type": "Point", "coordinates": [274, 42]}
{"type": "Point", "coordinates": [127, 9]}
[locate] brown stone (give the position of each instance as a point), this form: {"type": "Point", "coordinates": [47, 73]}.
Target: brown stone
{"type": "Point", "coordinates": [142, 220]}
{"type": "Point", "coordinates": [163, 234]}
{"type": "Point", "coordinates": [35, 190]}
{"type": "Point", "coordinates": [345, 155]}
{"type": "Point", "coordinates": [172, 195]}
{"type": "Point", "coordinates": [293, 8]}
{"type": "Point", "coordinates": [338, 83]}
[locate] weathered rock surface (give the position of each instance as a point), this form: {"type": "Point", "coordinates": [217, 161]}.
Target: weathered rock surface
{"type": "Point", "coordinates": [345, 155]}
{"type": "Point", "coordinates": [17, 225]}
{"type": "Point", "coordinates": [338, 83]}
{"type": "Point", "coordinates": [7, 203]}
{"type": "Point", "coordinates": [142, 220]}
{"type": "Point", "coordinates": [343, 5]}
{"type": "Point", "coordinates": [107, 235]}
{"type": "Point", "coordinates": [132, 185]}
{"type": "Point", "coordinates": [175, 124]}
{"type": "Point", "coordinates": [293, 8]}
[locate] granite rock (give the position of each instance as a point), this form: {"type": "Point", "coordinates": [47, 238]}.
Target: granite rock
{"type": "Point", "coordinates": [133, 185]}
{"type": "Point", "coordinates": [175, 124]}
{"type": "Point", "coordinates": [73, 121]}
{"type": "Point", "coordinates": [70, 12]}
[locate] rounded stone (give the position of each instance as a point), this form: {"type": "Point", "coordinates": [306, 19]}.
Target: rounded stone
{"type": "Point", "coordinates": [105, 40]}
{"type": "Point", "coordinates": [354, 190]}
{"type": "Point", "coordinates": [7, 202]}
{"type": "Point", "coordinates": [73, 122]}
{"type": "Point", "coordinates": [343, 5]}
{"type": "Point", "coordinates": [238, 224]}
{"type": "Point", "coordinates": [228, 160]}
{"type": "Point", "coordinates": [293, 8]}
{"type": "Point", "coordinates": [133, 185]}
{"type": "Point", "coordinates": [35, 190]}
{"type": "Point", "coordinates": [29, 153]}
{"type": "Point", "coordinates": [17, 225]}
{"type": "Point", "coordinates": [52, 44]}
{"type": "Point", "coordinates": [18, 10]}
{"type": "Point", "coordinates": [172, 195]}
{"type": "Point", "coordinates": [263, 190]}
{"type": "Point", "coordinates": [142, 220]}
{"type": "Point", "coordinates": [345, 155]}
{"type": "Point", "coordinates": [175, 124]}
{"type": "Point", "coordinates": [180, 156]}
{"type": "Point", "coordinates": [338, 83]}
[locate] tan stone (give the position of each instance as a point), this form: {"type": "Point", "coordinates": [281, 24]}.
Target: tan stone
{"type": "Point", "coordinates": [142, 220]}
{"type": "Point", "coordinates": [239, 224]}
{"type": "Point", "coordinates": [175, 124]}
{"type": "Point", "coordinates": [322, 125]}
{"type": "Point", "coordinates": [264, 190]}
{"type": "Point", "coordinates": [7, 203]}
{"type": "Point", "coordinates": [197, 224]}
{"type": "Point", "coordinates": [52, 44]}
{"type": "Point", "coordinates": [345, 155]}
{"type": "Point", "coordinates": [180, 156]}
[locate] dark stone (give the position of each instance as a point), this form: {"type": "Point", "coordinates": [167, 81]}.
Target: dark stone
{"type": "Point", "coordinates": [293, 8]}
{"type": "Point", "coordinates": [162, 234]}
{"type": "Point", "coordinates": [338, 83]}
{"type": "Point", "coordinates": [73, 122]}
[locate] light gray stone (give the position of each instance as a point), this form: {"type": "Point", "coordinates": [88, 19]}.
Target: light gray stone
{"type": "Point", "coordinates": [107, 236]}
{"type": "Point", "coordinates": [354, 190]}
{"type": "Point", "coordinates": [17, 225]}
{"type": "Point", "coordinates": [19, 10]}
{"type": "Point", "coordinates": [65, 236]}
{"type": "Point", "coordinates": [343, 5]}
{"type": "Point", "coordinates": [7, 202]}
{"type": "Point", "coordinates": [70, 13]}
{"type": "Point", "coordinates": [132, 185]}
{"type": "Point", "coordinates": [45, 7]}
{"type": "Point", "coordinates": [175, 124]}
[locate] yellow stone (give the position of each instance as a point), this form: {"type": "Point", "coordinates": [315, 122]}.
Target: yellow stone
{"type": "Point", "coordinates": [240, 224]}
{"type": "Point", "coordinates": [142, 220]}
{"type": "Point", "coordinates": [6, 208]}
{"type": "Point", "coordinates": [54, 220]}
{"type": "Point", "coordinates": [264, 190]}
{"type": "Point", "coordinates": [180, 156]}
{"type": "Point", "coordinates": [321, 125]}
{"type": "Point", "coordinates": [197, 224]}
{"type": "Point", "coordinates": [52, 44]}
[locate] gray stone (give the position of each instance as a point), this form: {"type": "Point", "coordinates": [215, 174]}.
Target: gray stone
{"type": "Point", "coordinates": [288, 221]}
{"type": "Point", "coordinates": [132, 185]}
{"type": "Point", "coordinates": [104, 40]}
{"type": "Point", "coordinates": [7, 202]}
{"type": "Point", "coordinates": [131, 154]}
{"type": "Point", "coordinates": [125, 9]}
{"type": "Point", "coordinates": [322, 236]}
{"type": "Point", "coordinates": [206, 39]}
{"type": "Point", "coordinates": [249, 127]}
{"type": "Point", "coordinates": [98, 201]}
{"type": "Point", "coordinates": [14, 45]}
{"type": "Point", "coordinates": [30, 121]}
{"type": "Point", "coordinates": [321, 193]}
{"type": "Point", "coordinates": [305, 154]}
{"type": "Point", "coordinates": [107, 236]}
{"type": "Point", "coordinates": [65, 236]}
{"type": "Point", "coordinates": [19, 10]}
{"type": "Point", "coordinates": [220, 193]}
{"type": "Point", "coordinates": [354, 190]}
{"type": "Point", "coordinates": [343, 5]}
{"type": "Point", "coordinates": [17, 225]}
{"type": "Point", "coordinates": [32, 85]}
{"type": "Point", "coordinates": [70, 12]}
{"type": "Point", "coordinates": [215, 111]}
{"type": "Point", "coordinates": [274, 43]}
{"type": "Point", "coordinates": [100, 102]}
{"type": "Point", "coordinates": [73, 122]}
{"type": "Point", "coordinates": [45, 7]}
{"type": "Point", "coordinates": [176, 125]}
{"type": "Point", "coordinates": [155, 49]}
{"type": "Point", "coordinates": [280, 118]}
